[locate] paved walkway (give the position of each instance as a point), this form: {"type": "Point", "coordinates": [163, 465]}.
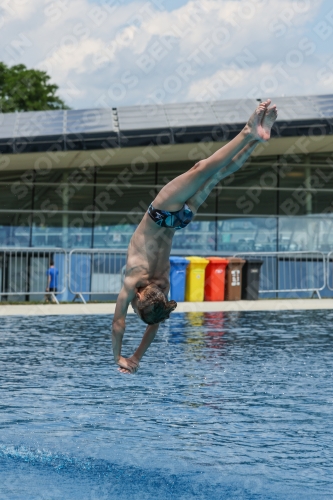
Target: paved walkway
{"type": "Point", "coordinates": [105, 308]}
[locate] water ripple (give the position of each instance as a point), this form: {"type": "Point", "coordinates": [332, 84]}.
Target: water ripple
{"type": "Point", "coordinates": [225, 405]}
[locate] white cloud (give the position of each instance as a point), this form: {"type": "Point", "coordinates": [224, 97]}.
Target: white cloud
{"type": "Point", "coordinates": [263, 81]}
{"type": "Point", "coordinates": [19, 9]}
{"type": "Point", "coordinates": [72, 56]}
{"type": "Point", "coordinates": [119, 54]}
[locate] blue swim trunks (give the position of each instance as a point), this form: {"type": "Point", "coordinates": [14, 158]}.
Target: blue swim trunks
{"type": "Point", "coordinates": [173, 220]}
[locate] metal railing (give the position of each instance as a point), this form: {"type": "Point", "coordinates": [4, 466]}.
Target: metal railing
{"type": "Point", "coordinates": [95, 272]}
{"type": "Point", "coordinates": [89, 273]}
{"type": "Point", "coordinates": [330, 271]}
{"type": "Point", "coordinates": [23, 272]}
{"type": "Point", "coordinates": [292, 272]}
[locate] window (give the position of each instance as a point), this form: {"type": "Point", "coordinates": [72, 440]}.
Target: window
{"type": "Point", "coordinates": [132, 174]}
{"type": "Point", "coordinates": [52, 229]}
{"type": "Point", "coordinates": [252, 201]}
{"type": "Point", "coordinates": [16, 190]}
{"type": "Point", "coordinates": [15, 229]}
{"type": "Point", "coordinates": [247, 234]}
{"type": "Point", "coordinates": [112, 231]}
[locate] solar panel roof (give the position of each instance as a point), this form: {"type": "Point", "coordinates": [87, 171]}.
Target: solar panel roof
{"type": "Point", "coordinates": [133, 122]}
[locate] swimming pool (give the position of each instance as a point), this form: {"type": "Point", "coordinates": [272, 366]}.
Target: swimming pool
{"type": "Point", "coordinates": [225, 406]}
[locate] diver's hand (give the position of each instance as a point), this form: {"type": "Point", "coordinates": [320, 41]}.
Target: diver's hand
{"type": "Point", "coordinates": [128, 365]}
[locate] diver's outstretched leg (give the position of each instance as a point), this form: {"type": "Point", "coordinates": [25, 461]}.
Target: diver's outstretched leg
{"type": "Point", "coordinates": [173, 196]}
{"type": "Point", "coordinates": [204, 191]}
{"type": "Point", "coordinates": [237, 162]}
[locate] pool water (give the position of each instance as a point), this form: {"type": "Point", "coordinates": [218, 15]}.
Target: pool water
{"type": "Point", "coordinates": [224, 406]}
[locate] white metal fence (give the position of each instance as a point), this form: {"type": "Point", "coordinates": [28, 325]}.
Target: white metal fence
{"type": "Point", "coordinates": [290, 272]}
{"type": "Point", "coordinates": [23, 273]}
{"type": "Point", "coordinates": [95, 272]}
{"type": "Point", "coordinates": [330, 271]}
{"type": "Point", "coordinates": [90, 274]}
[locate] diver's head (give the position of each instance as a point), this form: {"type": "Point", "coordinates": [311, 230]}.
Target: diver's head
{"type": "Point", "coordinates": [152, 305]}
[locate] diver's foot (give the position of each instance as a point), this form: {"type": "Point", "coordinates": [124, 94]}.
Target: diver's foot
{"type": "Point", "coordinates": [268, 121]}
{"type": "Point", "coordinates": [254, 125]}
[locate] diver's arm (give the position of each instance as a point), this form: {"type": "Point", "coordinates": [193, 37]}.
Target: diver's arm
{"type": "Point", "coordinates": [150, 332]}
{"type": "Point", "coordinates": [147, 339]}
{"type": "Point", "coordinates": [125, 296]}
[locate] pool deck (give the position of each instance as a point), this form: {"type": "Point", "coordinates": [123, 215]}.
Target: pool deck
{"type": "Point", "coordinates": [108, 308]}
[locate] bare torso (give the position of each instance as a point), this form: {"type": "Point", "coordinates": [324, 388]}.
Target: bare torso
{"type": "Point", "coordinates": [148, 255]}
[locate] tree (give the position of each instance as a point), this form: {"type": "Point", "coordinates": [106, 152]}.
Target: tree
{"type": "Point", "coordinates": [23, 89]}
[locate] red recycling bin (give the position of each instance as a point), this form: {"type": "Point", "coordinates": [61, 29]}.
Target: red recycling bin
{"type": "Point", "coordinates": [215, 278]}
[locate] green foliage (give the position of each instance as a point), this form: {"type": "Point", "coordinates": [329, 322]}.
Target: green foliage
{"type": "Point", "coordinates": [23, 89]}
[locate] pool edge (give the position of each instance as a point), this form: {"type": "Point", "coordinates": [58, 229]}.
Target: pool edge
{"type": "Point", "coordinates": [108, 308]}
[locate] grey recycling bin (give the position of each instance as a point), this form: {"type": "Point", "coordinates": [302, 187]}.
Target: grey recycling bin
{"type": "Point", "coordinates": [251, 279]}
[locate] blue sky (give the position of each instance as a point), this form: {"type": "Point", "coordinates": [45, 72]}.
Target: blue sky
{"type": "Point", "coordinates": [123, 52]}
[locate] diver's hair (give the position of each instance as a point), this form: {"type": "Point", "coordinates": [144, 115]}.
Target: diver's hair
{"type": "Point", "coordinates": [154, 307]}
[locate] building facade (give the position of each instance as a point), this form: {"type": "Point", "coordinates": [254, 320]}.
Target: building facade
{"type": "Point", "coordinates": [83, 179]}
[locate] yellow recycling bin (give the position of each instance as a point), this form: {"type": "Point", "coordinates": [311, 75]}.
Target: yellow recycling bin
{"type": "Point", "coordinates": [195, 279]}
